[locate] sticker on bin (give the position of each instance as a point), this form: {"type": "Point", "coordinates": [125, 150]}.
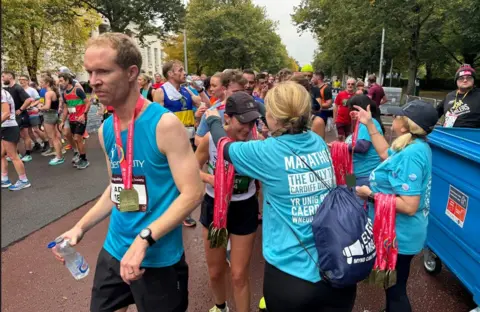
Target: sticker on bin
{"type": "Point", "coordinates": [457, 206]}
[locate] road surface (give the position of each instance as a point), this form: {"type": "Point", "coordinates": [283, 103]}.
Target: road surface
{"type": "Point", "coordinates": [33, 281]}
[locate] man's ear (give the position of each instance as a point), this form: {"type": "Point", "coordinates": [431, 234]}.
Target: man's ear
{"type": "Point", "coordinates": [133, 72]}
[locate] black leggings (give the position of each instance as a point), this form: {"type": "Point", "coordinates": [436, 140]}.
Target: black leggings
{"type": "Point", "coordinates": [284, 292]}
{"type": "Point", "coordinates": [397, 299]}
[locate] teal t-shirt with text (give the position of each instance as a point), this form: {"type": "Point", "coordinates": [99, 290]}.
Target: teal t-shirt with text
{"type": "Point", "coordinates": [363, 164]}
{"type": "Point", "coordinates": [292, 194]}
{"type": "Point", "coordinates": [408, 173]}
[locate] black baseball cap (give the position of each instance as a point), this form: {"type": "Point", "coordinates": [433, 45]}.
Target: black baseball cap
{"type": "Point", "coordinates": [420, 112]}
{"type": "Point", "coordinates": [243, 106]}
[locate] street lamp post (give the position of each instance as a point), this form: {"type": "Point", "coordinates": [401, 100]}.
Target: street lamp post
{"type": "Point", "coordinates": [185, 43]}
{"type": "Point", "coordinates": [380, 80]}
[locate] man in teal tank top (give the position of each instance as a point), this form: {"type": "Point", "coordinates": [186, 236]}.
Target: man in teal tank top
{"type": "Point", "coordinates": [142, 261]}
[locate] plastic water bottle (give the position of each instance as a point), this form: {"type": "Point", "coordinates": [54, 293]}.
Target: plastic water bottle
{"type": "Point", "coordinates": [74, 261]}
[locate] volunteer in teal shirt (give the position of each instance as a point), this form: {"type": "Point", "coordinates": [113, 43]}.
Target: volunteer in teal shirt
{"type": "Point", "coordinates": [292, 195]}
{"type": "Point", "coordinates": [407, 173]}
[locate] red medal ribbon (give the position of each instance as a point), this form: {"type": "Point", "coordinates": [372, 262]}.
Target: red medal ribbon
{"type": "Point", "coordinates": [224, 179]}
{"type": "Point", "coordinates": [342, 159]}
{"type": "Point", "coordinates": [126, 165]}
{"type": "Point", "coordinates": [384, 232]}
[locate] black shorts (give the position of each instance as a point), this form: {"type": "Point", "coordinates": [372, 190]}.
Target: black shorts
{"type": "Point", "coordinates": [344, 129]}
{"type": "Point", "coordinates": [242, 216]}
{"type": "Point", "coordinates": [11, 134]}
{"type": "Point", "coordinates": [23, 120]}
{"type": "Point", "coordinates": [159, 290]}
{"type": "Point", "coordinates": [78, 127]}
{"type": "Point", "coordinates": [284, 293]}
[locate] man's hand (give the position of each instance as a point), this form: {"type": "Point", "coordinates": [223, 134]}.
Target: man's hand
{"type": "Point", "coordinates": [18, 112]}
{"type": "Point", "coordinates": [200, 111]}
{"type": "Point", "coordinates": [74, 236]}
{"type": "Point", "coordinates": [211, 112]}
{"type": "Point", "coordinates": [131, 261]}
{"type": "Point", "coordinates": [81, 118]}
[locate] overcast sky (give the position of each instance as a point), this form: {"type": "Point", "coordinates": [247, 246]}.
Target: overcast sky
{"type": "Point", "coordinates": [299, 47]}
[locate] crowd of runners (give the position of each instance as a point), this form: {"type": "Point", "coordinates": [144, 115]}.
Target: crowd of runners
{"type": "Point", "coordinates": [241, 145]}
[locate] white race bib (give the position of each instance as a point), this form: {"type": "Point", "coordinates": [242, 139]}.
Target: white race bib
{"type": "Point", "coordinates": [190, 132]}
{"type": "Point", "coordinates": [139, 185]}
{"type": "Point", "coordinates": [450, 119]}
{"type": "Point", "coordinates": [72, 110]}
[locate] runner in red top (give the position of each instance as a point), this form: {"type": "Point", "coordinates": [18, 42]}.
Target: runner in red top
{"type": "Point", "coordinates": [341, 113]}
{"type": "Point", "coordinates": [158, 81]}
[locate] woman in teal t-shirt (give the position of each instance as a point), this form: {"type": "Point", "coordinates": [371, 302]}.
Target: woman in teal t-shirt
{"type": "Point", "coordinates": [406, 171]}
{"type": "Point", "coordinates": [365, 157]}
{"type": "Point", "coordinates": [292, 195]}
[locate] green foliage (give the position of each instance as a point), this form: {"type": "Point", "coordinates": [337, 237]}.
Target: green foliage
{"type": "Point", "coordinates": [151, 17]}
{"type": "Point", "coordinates": [438, 34]}
{"type": "Point", "coordinates": [232, 34]}
{"type": "Point", "coordinates": [44, 29]}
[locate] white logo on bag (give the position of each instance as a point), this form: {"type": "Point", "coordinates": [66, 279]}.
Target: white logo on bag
{"type": "Point", "coordinates": [362, 250]}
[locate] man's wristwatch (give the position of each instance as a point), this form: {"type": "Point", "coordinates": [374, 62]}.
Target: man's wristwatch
{"type": "Point", "coordinates": [146, 234]}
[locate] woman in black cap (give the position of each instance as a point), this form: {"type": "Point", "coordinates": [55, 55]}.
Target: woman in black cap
{"type": "Point", "coordinates": [406, 171]}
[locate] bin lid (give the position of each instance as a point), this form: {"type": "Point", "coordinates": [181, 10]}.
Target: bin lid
{"type": "Point", "coordinates": [462, 141]}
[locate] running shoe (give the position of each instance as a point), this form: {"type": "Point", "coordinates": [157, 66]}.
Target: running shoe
{"type": "Point", "coordinates": [19, 185]}
{"type": "Point", "coordinates": [46, 147]}
{"type": "Point", "coordinates": [27, 158]}
{"type": "Point", "coordinates": [189, 222]}
{"type": "Point", "coordinates": [68, 147]}
{"type": "Point", "coordinates": [82, 164]}
{"type": "Point", "coordinates": [49, 152]}
{"type": "Point", "coordinates": [37, 147]}
{"type": "Point", "coordinates": [64, 151]}
{"type": "Point", "coordinates": [76, 158]}
{"type": "Point", "coordinates": [6, 183]}
{"type": "Point", "coordinates": [56, 161]}
{"type": "Point", "coordinates": [86, 135]}
{"type": "Point", "coordinates": [216, 309]}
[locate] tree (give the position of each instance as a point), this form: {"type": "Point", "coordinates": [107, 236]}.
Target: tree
{"type": "Point", "coordinates": [173, 48]}
{"type": "Point", "coordinates": [150, 17]}
{"type": "Point", "coordinates": [44, 29]}
{"type": "Point", "coordinates": [349, 32]}
{"type": "Point", "coordinates": [237, 35]}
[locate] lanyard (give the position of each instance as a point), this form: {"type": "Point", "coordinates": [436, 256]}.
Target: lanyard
{"type": "Point", "coordinates": [126, 166]}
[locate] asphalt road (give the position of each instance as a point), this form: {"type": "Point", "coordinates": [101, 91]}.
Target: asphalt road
{"type": "Point", "coordinates": [35, 214]}
{"type": "Point", "coordinates": [32, 280]}
{"type": "Point", "coordinates": [55, 191]}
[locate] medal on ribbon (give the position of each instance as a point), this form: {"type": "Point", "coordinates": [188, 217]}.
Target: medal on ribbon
{"type": "Point", "coordinates": [128, 197]}
{"type": "Point", "coordinates": [224, 180]}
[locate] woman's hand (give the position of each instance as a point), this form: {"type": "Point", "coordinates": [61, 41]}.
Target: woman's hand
{"type": "Point", "coordinates": [211, 112]}
{"type": "Point", "coordinates": [363, 191]}
{"type": "Point", "coordinates": [364, 116]}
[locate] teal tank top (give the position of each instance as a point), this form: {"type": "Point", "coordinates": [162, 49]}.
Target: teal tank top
{"type": "Point", "coordinates": [154, 183]}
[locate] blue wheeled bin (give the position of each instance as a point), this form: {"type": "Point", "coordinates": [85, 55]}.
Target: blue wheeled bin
{"type": "Point", "coordinates": [454, 222]}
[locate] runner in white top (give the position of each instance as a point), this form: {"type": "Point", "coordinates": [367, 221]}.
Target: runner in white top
{"type": "Point", "coordinates": [10, 138]}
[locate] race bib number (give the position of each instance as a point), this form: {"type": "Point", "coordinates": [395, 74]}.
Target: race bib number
{"type": "Point", "coordinates": [139, 185]}
{"type": "Point", "coordinates": [241, 185]}
{"type": "Point", "coordinates": [190, 132]}
{"type": "Point", "coordinates": [450, 119]}
{"type": "Point", "coordinates": [72, 110]}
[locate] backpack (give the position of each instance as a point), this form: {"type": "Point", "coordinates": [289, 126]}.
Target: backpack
{"type": "Point", "coordinates": [343, 236]}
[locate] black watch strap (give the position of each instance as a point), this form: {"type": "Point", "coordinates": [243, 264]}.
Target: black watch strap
{"type": "Point", "coordinates": [150, 240]}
